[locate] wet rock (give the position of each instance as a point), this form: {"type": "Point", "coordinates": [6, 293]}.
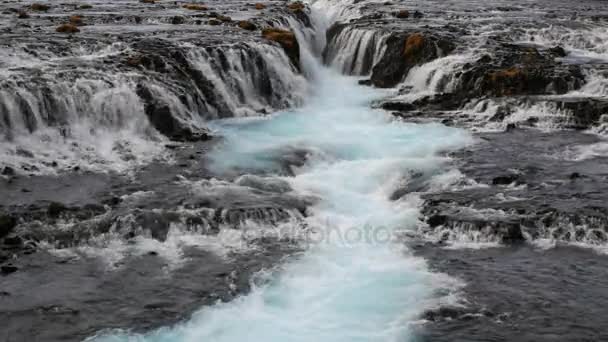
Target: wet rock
{"type": "Point", "coordinates": [558, 51]}
{"type": "Point", "coordinates": [195, 7]}
{"type": "Point", "coordinates": [214, 22]}
{"type": "Point", "coordinates": [147, 1]}
{"type": "Point", "coordinates": [404, 51]}
{"type": "Point", "coordinates": [178, 20]}
{"type": "Point", "coordinates": [13, 241]}
{"type": "Point", "coordinates": [259, 6]}
{"type": "Point", "coordinates": [437, 220]}
{"type": "Point", "coordinates": [443, 313]}
{"type": "Point", "coordinates": [505, 180]}
{"type": "Point", "coordinates": [55, 209]}
{"type": "Point", "coordinates": [161, 117]}
{"type": "Point", "coordinates": [40, 7]}
{"type": "Point", "coordinates": [287, 40]}
{"type": "Point", "coordinates": [8, 171]}
{"type": "Point", "coordinates": [518, 70]}
{"type": "Point", "coordinates": [22, 15]}
{"type": "Point", "coordinates": [8, 269]}
{"type": "Point", "coordinates": [7, 224]}
{"type": "Point", "coordinates": [76, 20]}
{"type": "Point", "coordinates": [247, 25]}
{"type": "Point", "coordinates": [403, 14]}
{"type": "Point", "coordinates": [67, 28]}
{"type": "Point", "coordinates": [297, 6]}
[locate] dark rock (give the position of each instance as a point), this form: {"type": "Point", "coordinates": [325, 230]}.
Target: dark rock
{"type": "Point", "coordinates": [55, 209]}
{"type": "Point", "coordinates": [67, 28]}
{"type": "Point", "coordinates": [366, 82]}
{"type": "Point", "coordinates": [247, 25]}
{"type": "Point", "coordinates": [178, 20]}
{"type": "Point", "coordinates": [404, 51]}
{"type": "Point", "coordinates": [7, 224]}
{"type": "Point", "coordinates": [511, 127]}
{"type": "Point", "coordinates": [8, 171]}
{"type": "Point", "coordinates": [436, 220]}
{"type": "Point", "coordinates": [165, 122]}
{"type": "Point", "coordinates": [8, 269]}
{"type": "Point", "coordinates": [403, 14]}
{"type": "Point", "coordinates": [13, 241]}
{"type": "Point", "coordinates": [558, 51]}
{"type": "Point", "coordinates": [505, 180]}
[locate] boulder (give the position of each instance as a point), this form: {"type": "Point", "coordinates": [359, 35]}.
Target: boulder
{"type": "Point", "coordinates": [404, 51]}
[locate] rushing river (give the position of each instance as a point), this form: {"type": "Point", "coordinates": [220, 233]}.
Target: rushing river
{"type": "Point", "coordinates": [355, 281]}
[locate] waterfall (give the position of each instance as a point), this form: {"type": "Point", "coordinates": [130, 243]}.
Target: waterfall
{"type": "Point", "coordinates": [355, 280]}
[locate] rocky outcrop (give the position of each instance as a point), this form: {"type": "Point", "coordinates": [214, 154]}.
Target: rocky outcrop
{"type": "Point", "coordinates": [287, 40]}
{"type": "Point", "coordinates": [519, 70]}
{"type": "Point", "coordinates": [404, 51]}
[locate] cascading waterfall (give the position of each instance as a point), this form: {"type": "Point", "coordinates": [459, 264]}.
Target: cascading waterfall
{"type": "Point", "coordinates": [66, 112]}
{"type": "Point", "coordinates": [354, 281]}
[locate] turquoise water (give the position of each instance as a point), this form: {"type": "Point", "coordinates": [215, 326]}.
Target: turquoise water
{"type": "Point", "coordinates": [353, 283]}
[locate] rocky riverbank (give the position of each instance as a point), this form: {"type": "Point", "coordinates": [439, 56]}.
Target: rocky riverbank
{"type": "Point", "coordinates": [105, 113]}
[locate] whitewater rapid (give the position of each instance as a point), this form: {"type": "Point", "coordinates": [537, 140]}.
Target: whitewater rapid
{"type": "Point", "coordinates": [355, 280]}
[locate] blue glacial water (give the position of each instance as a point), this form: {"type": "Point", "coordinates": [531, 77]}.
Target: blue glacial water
{"type": "Point", "coordinates": [352, 284]}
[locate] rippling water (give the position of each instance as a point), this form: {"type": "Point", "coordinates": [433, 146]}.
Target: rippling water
{"type": "Point", "coordinates": [352, 283]}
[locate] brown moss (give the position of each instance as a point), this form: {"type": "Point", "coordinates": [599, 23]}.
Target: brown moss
{"type": "Point", "coordinates": [214, 22]}
{"type": "Point", "coordinates": [506, 82]}
{"type": "Point", "coordinates": [147, 1]}
{"type": "Point", "coordinates": [224, 18]}
{"type": "Point", "coordinates": [414, 45]}
{"type": "Point", "coordinates": [40, 7]}
{"type": "Point", "coordinates": [247, 25]}
{"type": "Point", "coordinates": [287, 39]}
{"type": "Point", "coordinates": [296, 6]}
{"type": "Point", "coordinates": [67, 28]}
{"type": "Point", "coordinates": [195, 7]}
{"type": "Point", "coordinates": [76, 20]}
{"type": "Point", "coordinates": [260, 6]}
{"type": "Point", "coordinates": [510, 73]}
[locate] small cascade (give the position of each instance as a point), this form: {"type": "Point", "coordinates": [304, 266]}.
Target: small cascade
{"type": "Point", "coordinates": [110, 107]}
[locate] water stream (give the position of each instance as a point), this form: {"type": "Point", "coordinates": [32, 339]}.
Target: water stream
{"type": "Point", "coordinates": [355, 280]}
